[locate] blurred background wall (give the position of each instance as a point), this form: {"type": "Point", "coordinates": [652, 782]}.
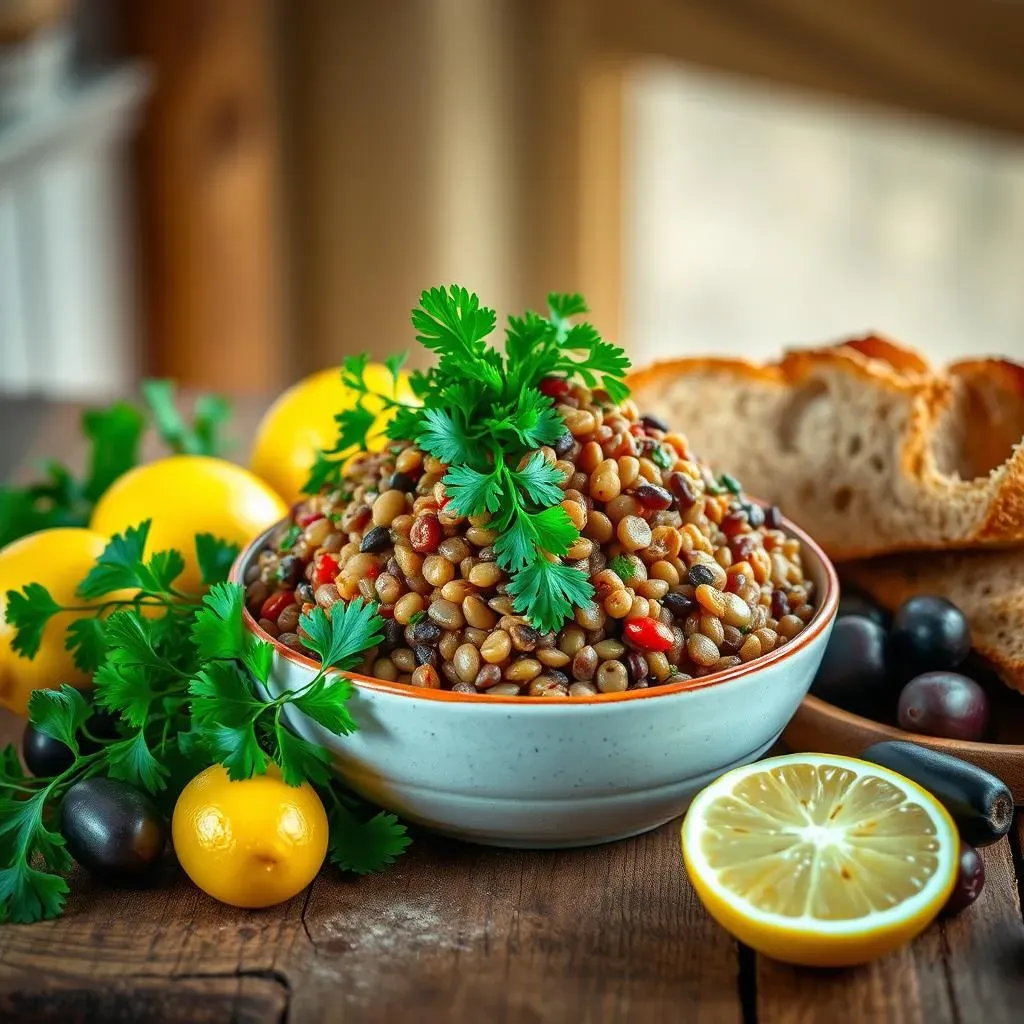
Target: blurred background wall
{"type": "Point", "coordinates": [236, 192]}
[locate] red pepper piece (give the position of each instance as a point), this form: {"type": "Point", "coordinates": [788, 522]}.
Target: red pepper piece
{"type": "Point", "coordinates": [649, 634]}
{"type": "Point", "coordinates": [326, 570]}
{"type": "Point", "coordinates": [276, 603]}
{"type": "Point", "coordinates": [309, 517]}
{"type": "Point", "coordinates": [554, 387]}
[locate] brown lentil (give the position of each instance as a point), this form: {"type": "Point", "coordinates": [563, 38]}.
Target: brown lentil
{"type": "Point", "coordinates": [467, 662]}
{"type": "Point", "coordinates": [611, 677]}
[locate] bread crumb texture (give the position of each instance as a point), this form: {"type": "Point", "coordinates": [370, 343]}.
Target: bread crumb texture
{"type": "Point", "coordinates": [863, 444]}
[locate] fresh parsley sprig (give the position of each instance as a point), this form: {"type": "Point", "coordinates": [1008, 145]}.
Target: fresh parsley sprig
{"type": "Point", "coordinates": [114, 435]}
{"type": "Point", "coordinates": [485, 417]}
{"type": "Point", "coordinates": [188, 687]}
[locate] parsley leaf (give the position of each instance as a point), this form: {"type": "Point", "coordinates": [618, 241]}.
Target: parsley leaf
{"type": "Point", "coordinates": [548, 592]}
{"type": "Point", "coordinates": [563, 305]}
{"type": "Point", "coordinates": [342, 638]}
{"type": "Point", "coordinates": [443, 437]}
{"type": "Point", "coordinates": [123, 690]}
{"type": "Point", "coordinates": [202, 438]}
{"type": "Point", "coordinates": [473, 493]}
{"type": "Point", "coordinates": [553, 530]}
{"type": "Point", "coordinates": [157, 576]}
{"type": "Point", "coordinates": [26, 893]}
{"type": "Point", "coordinates": [85, 641]}
{"type": "Point", "coordinates": [364, 847]}
{"type": "Point", "coordinates": [325, 702]}
{"type": "Point", "coordinates": [354, 426]}
{"type": "Point", "coordinates": [132, 761]}
{"type": "Point", "coordinates": [217, 631]}
{"type": "Point", "coordinates": [540, 480]}
{"type": "Point", "coordinates": [114, 433]}
{"type": "Point", "coordinates": [131, 640]}
{"type": "Point", "coordinates": [622, 567]}
{"type": "Point", "coordinates": [215, 557]}
{"type": "Point", "coordinates": [59, 714]}
{"type": "Point", "coordinates": [117, 567]}
{"type": "Point", "coordinates": [300, 760]}
{"type": "Point", "coordinates": [29, 611]}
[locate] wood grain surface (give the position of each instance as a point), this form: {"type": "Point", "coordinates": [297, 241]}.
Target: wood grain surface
{"type": "Point", "coordinates": [470, 934]}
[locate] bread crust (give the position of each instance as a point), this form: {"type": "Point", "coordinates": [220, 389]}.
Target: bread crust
{"type": "Point", "coordinates": [954, 471]}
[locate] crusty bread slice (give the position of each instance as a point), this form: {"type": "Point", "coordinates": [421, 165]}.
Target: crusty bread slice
{"type": "Point", "coordinates": [861, 443]}
{"type": "Point", "coordinates": [988, 586]}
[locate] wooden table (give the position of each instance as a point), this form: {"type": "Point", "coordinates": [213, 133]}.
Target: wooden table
{"type": "Point", "coordinates": [470, 934]}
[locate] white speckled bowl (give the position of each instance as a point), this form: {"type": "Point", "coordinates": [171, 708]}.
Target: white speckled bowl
{"type": "Point", "coordinates": [556, 772]}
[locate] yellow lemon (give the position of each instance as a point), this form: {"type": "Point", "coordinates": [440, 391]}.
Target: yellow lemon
{"type": "Point", "coordinates": [184, 495]}
{"type": "Point", "coordinates": [59, 559]}
{"type": "Point", "coordinates": [818, 859]}
{"type": "Point", "coordinates": [252, 843]}
{"type": "Point", "coordinates": [301, 423]}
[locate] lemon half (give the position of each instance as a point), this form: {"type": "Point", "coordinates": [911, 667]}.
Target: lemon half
{"type": "Point", "coordinates": [820, 860]}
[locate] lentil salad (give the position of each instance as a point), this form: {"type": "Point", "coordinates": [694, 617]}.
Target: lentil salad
{"type": "Point", "coordinates": [689, 577]}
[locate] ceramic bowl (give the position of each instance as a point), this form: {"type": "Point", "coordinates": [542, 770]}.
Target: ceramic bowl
{"type": "Point", "coordinates": [560, 772]}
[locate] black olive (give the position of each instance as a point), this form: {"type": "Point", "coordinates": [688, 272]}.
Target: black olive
{"type": "Point", "coordinates": [304, 593]}
{"type": "Point", "coordinates": [563, 443]}
{"type": "Point", "coordinates": [970, 880]}
{"type": "Point", "coordinates": [853, 672]}
{"type": "Point", "coordinates": [44, 756]}
{"type": "Point", "coordinates": [426, 632]}
{"type": "Point", "coordinates": [929, 633]}
{"type": "Point", "coordinates": [655, 423]}
{"type": "Point", "coordinates": [773, 518]}
{"type": "Point", "coordinates": [290, 570]}
{"type": "Point", "coordinates": [979, 803]}
{"type": "Point", "coordinates": [401, 482]}
{"type": "Point", "coordinates": [944, 704]}
{"type": "Point", "coordinates": [394, 634]}
{"type": "Point", "coordinates": [679, 605]}
{"type": "Point", "coordinates": [112, 828]}
{"type": "Point", "coordinates": [855, 603]}
{"type": "Point", "coordinates": [425, 655]}
{"type": "Point", "coordinates": [698, 574]}
{"type": "Point", "coordinates": [755, 515]}
{"type": "Point", "coordinates": [376, 540]}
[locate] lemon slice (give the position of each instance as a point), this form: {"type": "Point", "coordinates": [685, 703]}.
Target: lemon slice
{"type": "Point", "coordinates": [818, 859]}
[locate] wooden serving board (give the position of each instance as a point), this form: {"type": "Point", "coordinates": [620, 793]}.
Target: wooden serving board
{"type": "Point", "coordinates": [823, 728]}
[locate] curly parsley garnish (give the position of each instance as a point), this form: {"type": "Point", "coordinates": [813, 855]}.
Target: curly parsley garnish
{"type": "Point", "coordinates": [188, 687]}
{"type": "Point", "coordinates": [485, 416]}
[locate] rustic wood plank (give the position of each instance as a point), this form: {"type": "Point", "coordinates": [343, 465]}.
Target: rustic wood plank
{"type": "Point", "coordinates": [965, 969]}
{"type": "Point", "coordinates": [452, 932]}
{"type": "Point", "coordinates": [241, 999]}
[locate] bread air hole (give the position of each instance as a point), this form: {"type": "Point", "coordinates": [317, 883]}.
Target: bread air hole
{"type": "Point", "coordinates": [855, 445]}
{"type": "Point", "coordinates": [801, 409]}
{"type": "Point", "coordinates": [842, 498]}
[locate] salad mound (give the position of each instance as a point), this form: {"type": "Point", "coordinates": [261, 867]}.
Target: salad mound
{"type": "Point", "coordinates": [528, 531]}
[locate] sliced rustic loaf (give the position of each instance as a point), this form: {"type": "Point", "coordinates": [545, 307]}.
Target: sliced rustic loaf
{"type": "Point", "coordinates": [987, 585]}
{"type": "Point", "coordinates": [861, 444]}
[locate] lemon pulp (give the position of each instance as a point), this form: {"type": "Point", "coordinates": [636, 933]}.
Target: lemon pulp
{"type": "Point", "coordinates": [820, 859]}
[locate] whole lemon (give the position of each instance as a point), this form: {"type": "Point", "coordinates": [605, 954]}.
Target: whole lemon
{"type": "Point", "coordinates": [251, 843]}
{"type": "Point", "coordinates": [184, 495]}
{"type": "Point", "coordinates": [301, 422]}
{"type": "Point", "coordinates": [59, 559]}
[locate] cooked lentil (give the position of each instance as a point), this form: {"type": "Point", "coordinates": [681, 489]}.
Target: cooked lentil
{"type": "Point", "coordinates": [713, 582]}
